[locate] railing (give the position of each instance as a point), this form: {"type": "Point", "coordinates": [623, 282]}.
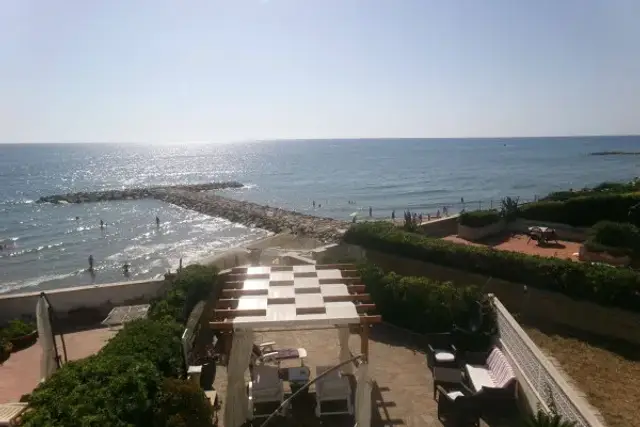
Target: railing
{"type": "Point", "coordinates": [548, 383]}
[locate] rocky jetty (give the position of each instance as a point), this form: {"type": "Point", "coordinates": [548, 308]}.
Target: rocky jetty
{"type": "Point", "coordinates": [132, 193]}
{"type": "Point", "coordinates": [255, 215]}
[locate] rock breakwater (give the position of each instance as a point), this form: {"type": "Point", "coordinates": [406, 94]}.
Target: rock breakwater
{"type": "Point", "coordinates": [132, 193]}
{"type": "Point", "coordinates": [252, 214]}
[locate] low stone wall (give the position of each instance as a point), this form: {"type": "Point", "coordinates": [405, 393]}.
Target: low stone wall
{"type": "Point", "coordinates": [478, 233]}
{"type": "Point", "coordinates": [101, 297]}
{"type": "Point", "coordinates": [255, 215]}
{"type": "Point", "coordinates": [603, 257]}
{"type": "Point", "coordinates": [441, 227]}
{"type": "Point", "coordinates": [131, 193]}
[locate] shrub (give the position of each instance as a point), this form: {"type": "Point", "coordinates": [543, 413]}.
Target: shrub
{"type": "Point", "coordinates": [96, 391]}
{"type": "Point", "coordinates": [583, 211]}
{"type": "Point", "coordinates": [600, 284]}
{"type": "Point", "coordinates": [17, 328]}
{"type": "Point", "coordinates": [194, 283]}
{"type": "Point", "coordinates": [605, 187]}
{"type": "Point", "coordinates": [157, 341]}
{"type": "Point", "coordinates": [122, 385]}
{"type": "Point", "coordinates": [477, 219]}
{"type": "Point", "coordinates": [615, 238]}
{"type": "Point", "coordinates": [634, 215]}
{"type": "Point", "coordinates": [423, 305]}
{"type": "Point", "coordinates": [182, 403]}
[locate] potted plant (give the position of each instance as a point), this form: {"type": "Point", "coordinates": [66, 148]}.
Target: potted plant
{"type": "Point", "coordinates": [21, 334]}
{"type": "Point", "coordinates": [5, 349]}
{"type": "Point", "coordinates": [542, 419]}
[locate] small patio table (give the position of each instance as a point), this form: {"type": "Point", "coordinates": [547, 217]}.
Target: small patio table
{"type": "Point", "coordinates": [445, 376]}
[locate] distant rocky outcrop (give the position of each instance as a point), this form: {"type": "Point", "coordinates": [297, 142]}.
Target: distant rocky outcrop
{"type": "Point", "coordinates": [132, 193]}
{"type": "Point", "coordinates": [615, 153]}
{"type": "Point", "coordinates": [195, 197]}
{"type": "Point", "coordinates": [255, 215]}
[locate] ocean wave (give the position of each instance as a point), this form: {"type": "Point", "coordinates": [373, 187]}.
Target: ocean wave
{"type": "Point", "coordinates": [34, 282]}
{"type": "Point", "coordinates": [40, 248]}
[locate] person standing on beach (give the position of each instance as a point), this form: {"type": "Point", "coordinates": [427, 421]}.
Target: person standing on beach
{"type": "Point", "coordinates": [393, 215]}
{"type": "Point", "coordinates": [101, 224]}
{"type": "Point", "coordinates": [370, 211]}
{"type": "Point", "coordinates": [314, 203]}
{"type": "Point", "coordinates": [90, 262]}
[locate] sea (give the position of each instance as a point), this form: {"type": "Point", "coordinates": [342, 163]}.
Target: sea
{"type": "Point", "coordinates": [46, 247]}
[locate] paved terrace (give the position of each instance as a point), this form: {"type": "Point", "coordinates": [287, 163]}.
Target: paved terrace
{"type": "Point", "coordinates": [402, 390]}
{"type": "Point", "coordinates": [20, 374]}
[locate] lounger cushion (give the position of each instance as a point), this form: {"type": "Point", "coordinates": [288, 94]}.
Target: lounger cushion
{"type": "Point", "coordinates": [496, 374]}
{"type": "Point", "coordinates": [444, 356]}
{"type": "Point", "coordinates": [479, 377]}
{"type": "Point", "coordinates": [453, 394]}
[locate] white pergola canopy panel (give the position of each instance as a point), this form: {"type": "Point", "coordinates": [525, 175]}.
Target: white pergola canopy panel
{"type": "Point", "coordinates": [290, 297]}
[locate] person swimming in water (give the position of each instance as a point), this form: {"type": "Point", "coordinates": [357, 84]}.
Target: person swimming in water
{"type": "Point", "coordinates": [90, 262]}
{"type": "Point", "coordinates": [125, 269]}
{"type": "Point", "coordinates": [101, 224]}
{"type": "Point", "coordinates": [157, 222]}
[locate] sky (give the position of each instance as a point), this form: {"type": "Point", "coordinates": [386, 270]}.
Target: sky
{"type": "Point", "coordinates": [236, 70]}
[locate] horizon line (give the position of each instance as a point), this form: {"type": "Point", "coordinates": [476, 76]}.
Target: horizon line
{"type": "Point", "coordinates": [321, 139]}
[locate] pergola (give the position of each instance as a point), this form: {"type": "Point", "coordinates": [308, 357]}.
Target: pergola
{"type": "Point", "coordinates": [292, 298]}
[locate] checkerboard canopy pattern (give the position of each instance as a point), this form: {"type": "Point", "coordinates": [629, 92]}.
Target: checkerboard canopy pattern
{"type": "Point", "coordinates": [293, 296]}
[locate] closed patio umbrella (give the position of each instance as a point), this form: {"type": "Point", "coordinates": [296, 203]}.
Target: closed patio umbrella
{"type": "Point", "coordinates": [49, 361]}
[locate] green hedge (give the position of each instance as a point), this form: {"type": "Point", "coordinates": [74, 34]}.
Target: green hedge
{"type": "Point", "coordinates": [477, 219]}
{"type": "Point", "coordinates": [615, 238]}
{"type": "Point", "coordinates": [605, 187]}
{"type": "Point", "coordinates": [583, 211]}
{"type": "Point", "coordinates": [127, 383]}
{"type": "Point", "coordinates": [421, 304]}
{"type": "Point", "coordinates": [96, 391]}
{"type": "Point", "coordinates": [194, 283]}
{"type": "Point", "coordinates": [601, 284]}
{"type": "Point", "coordinates": [157, 341]}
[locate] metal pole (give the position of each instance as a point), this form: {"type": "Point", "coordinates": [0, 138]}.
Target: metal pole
{"type": "Point", "coordinates": [51, 314]}
{"type": "Point", "coordinates": [306, 386]}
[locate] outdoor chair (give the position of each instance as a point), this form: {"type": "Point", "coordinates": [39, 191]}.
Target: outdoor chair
{"type": "Point", "coordinates": [458, 406]}
{"type": "Point", "coordinates": [266, 352]}
{"type": "Point", "coordinates": [265, 387]}
{"type": "Point", "coordinates": [333, 393]}
{"type": "Point", "coordinates": [441, 351]}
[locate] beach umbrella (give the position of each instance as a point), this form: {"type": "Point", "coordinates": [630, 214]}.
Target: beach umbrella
{"type": "Point", "coordinates": [49, 361]}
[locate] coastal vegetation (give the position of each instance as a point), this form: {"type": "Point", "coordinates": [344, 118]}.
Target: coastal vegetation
{"type": "Point", "coordinates": [615, 238]}
{"type": "Point", "coordinates": [583, 211]}
{"type": "Point", "coordinates": [138, 377]}
{"type": "Point", "coordinates": [605, 187]}
{"type": "Point", "coordinates": [597, 283]}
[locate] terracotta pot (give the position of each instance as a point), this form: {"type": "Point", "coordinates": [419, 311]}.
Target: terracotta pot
{"type": "Point", "coordinates": [20, 343]}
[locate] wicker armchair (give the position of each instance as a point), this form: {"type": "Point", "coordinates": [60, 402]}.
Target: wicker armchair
{"type": "Point", "coordinates": [459, 406]}
{"type": "Point", "coordinates": [441, 351]}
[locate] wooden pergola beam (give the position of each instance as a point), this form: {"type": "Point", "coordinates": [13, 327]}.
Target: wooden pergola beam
{"type": "Point", "coordinates": [227, 324]}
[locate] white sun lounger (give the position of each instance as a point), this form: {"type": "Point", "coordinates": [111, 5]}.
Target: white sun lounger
{"type": "Point", "coordinates": [265, 387]}
{"type": "Point", "coordinates": [333, 389]}
{"type": "Point", "coordinates": [10, 413]}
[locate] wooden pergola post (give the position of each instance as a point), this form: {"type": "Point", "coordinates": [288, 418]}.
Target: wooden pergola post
{"type": "Point", "coordinates": [364, 341]}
